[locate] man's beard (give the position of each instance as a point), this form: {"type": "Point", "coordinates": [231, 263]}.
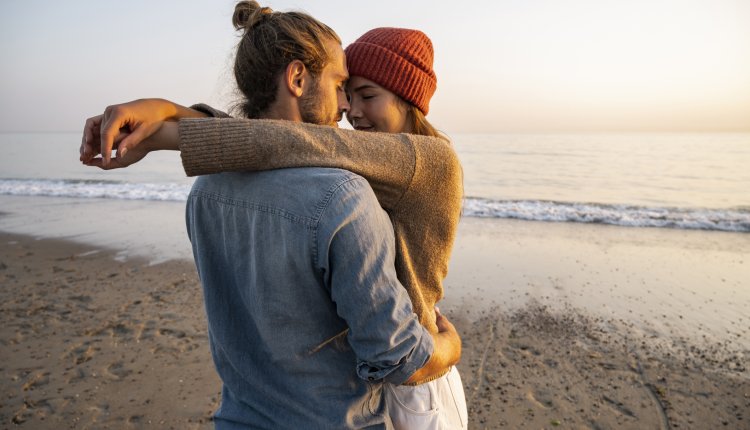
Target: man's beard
{"type": "Point", "coordinates": [311, 107]}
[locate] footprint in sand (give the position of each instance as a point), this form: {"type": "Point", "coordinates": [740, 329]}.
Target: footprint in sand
{"type": "Point", "coordinates": [526, 349]}
{"type": "Point", "coordinates": [81, 298]}
{"type": "Point", "coordinates": [98, 411]}
{"type": "Point", "coordinates": [144, 331]}
{"type": "Point", "coordinates": [116, 371]}
{"type": "Point", "coordinates": [31, 408]}
{"type": "Point", "coordinates": [165, 349]}
{"type": "Point", "coordinates": [77, 375]}
{"type": "Point", "coordinates": [80, 353]}
{"type": "Point", "coordinates": [135, 421]}
{"type": "Point", "coordinates": [119, 330]}
{"type": "Point", "coordinates": [115, 329]}
{"type": "Point", "coordinates": [540, 399]}
{"type": "Point", "coordinates": [171, 333]}
{"type": "Point", "coordinates": [179, 341]}
{"type": "Point", "coordinates": [188, 345]}
{"type": "Point", "coordinates": [36, 380]}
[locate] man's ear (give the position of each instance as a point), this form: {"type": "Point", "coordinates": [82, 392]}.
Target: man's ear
{"type": "Point", "coordinates": [294, 78]}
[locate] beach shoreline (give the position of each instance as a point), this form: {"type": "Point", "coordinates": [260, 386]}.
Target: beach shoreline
{"type": "Point", "coordinates": [664, 283]}
{"type": "Point", "coordinates": [93, 340]}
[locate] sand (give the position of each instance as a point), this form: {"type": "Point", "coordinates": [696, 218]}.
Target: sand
{"type": "Point", "coordinates": [563, 327]}
{"type": "Point", "coordinates": [90, 342]}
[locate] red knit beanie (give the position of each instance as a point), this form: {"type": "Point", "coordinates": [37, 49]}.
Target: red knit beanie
{"type": "Point", "coordinates": [399, 60]}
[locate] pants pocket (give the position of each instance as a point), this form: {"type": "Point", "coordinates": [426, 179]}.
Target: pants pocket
{"type": "Point", "coordinates": [411, 407]}
{"type": "Point", "coordinates": [435, 405]}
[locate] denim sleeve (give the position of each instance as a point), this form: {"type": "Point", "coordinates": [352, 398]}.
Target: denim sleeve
{"type": "Point", "coordinates": [356, 252]}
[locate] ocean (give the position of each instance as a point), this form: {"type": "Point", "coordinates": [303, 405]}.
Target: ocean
{"type": "Point", "coordinates": [661, 180]}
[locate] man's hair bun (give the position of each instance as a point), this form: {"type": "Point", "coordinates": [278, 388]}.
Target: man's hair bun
{"type": "Point", "coordinates": [249, 13]}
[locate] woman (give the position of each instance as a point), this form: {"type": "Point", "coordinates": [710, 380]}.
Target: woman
{"type": "Point", "coordinates": [389, 89]}
{"type": "Point", "coordinates": [416, 177]}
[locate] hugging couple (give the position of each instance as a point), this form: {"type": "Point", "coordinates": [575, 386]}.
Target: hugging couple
{"type": "Point", "coordinates": [321, 251]}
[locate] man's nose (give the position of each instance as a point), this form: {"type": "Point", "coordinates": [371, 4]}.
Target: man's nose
{"type": "Point", "coordinates": [343, 103]}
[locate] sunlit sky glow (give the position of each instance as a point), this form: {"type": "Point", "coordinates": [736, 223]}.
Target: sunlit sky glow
{"type": "Point", "coordinates": [502, 66]}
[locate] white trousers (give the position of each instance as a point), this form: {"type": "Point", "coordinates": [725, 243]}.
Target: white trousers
{"type": "Point", "coordinates": [435, 405]}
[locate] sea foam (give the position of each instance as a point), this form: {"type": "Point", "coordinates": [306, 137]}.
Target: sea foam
{"type": "Point", "coordinates": [732, 219]}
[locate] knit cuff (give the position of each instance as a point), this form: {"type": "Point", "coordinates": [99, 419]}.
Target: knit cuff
{"type": "Point", "coordinates": [200, 145]}
{"type": "Point", "coordinates": [208, 110]}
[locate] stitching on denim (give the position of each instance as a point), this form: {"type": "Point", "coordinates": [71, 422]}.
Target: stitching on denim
{"type": "Point", "coordinates": [322, 206]}
{"type": "Point", "coordinates": [298, 219]}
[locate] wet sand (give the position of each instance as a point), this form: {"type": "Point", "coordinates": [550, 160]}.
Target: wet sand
{"type": "Point", "coordinates": [563, 327]}
{"type": "Point", "coordinates": [597, 327]}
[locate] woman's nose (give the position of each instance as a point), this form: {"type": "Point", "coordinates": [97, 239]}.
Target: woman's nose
{"type": "Point", "coordinates": [354, 110]}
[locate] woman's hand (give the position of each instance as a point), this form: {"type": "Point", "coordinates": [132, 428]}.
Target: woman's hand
{"type": "Point", "coordinates": [166, 136]}
{"type": "Point", "coordinates": [128, 129]}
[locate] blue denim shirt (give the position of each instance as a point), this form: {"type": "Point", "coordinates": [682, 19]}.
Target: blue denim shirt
{"type": "Point", "coordinates": [289, 259]}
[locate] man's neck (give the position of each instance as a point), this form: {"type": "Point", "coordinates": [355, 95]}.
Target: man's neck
{"type": "Point", "coordinates": [286, 111]}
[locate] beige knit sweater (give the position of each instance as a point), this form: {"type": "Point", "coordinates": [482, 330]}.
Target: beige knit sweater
{"type": "Point", "coordinates": [417, 179]}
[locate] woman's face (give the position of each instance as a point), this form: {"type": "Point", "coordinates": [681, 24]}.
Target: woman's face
{"type": "Point", "coordinates": [373, 108]}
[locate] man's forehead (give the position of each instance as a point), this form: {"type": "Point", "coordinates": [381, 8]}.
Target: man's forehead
{"type": "Point", "coordinates": [337, 63]}
{"type": "Point", "coordinates": [342, 75]}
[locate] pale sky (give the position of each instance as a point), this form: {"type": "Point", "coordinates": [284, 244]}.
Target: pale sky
{"type": "Point", "coordinates": [502, 66]}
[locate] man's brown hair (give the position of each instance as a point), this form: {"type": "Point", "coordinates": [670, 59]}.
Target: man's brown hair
{"type": "Point", "coordinates": [271, 40]}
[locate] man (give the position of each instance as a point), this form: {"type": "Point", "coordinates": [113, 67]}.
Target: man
{"type": "Point", "coordinates": [291, 259]}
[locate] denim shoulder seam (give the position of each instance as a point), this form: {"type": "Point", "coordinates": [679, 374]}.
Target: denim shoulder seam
{"type": "Point", "coordinates": [307, 222]}
{"type": "Point", "coordinates": [322, 206]}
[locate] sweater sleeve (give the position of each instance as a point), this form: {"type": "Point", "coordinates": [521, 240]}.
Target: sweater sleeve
{"type": "Point", "coordinates": [417, 179]}
{"type": "Point", "coordinates": [425, 223]}
{"type": "Point", "coordinates": [212, 145]}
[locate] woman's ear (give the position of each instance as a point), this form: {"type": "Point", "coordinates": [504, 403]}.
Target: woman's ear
{"type": "Point", "coordinates": [295, 76]}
